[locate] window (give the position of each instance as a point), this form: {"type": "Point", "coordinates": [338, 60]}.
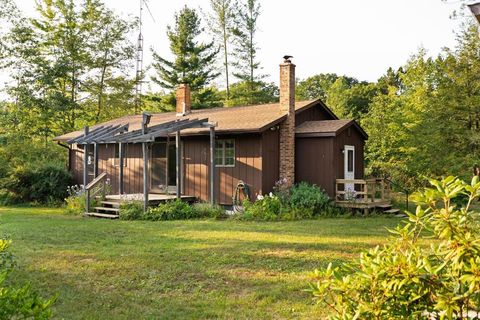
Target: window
{"type": "Point", "coordinates": [116, 157]}
{"type": "Point", "coordinates": [225, 153]}
{"type": "Point", "coordinates": [350, 160]}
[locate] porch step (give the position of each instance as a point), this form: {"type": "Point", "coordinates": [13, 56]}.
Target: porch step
{"type": "Point", "coordinates": [392, 211]}
{"type": "Point", "coordinates": [384, 206]}
{"type": "Point", "coordinates": [116, 210]}
{"type": "Point", "coordinates": [102, 215]}
{"type": "Point", "coordinates": [115, 204]}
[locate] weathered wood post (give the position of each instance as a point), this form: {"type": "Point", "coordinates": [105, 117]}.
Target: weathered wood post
{"type": "Point", "coordinates": [121, 165]}
{"type": "Point", "coordinates": [212, 164]}
{"type": "Point", "coordinates": [85, 171]}
{"type": "Point", "coordinates": [145, 121]}
{"type": "Point", "coordinates": [95, 163]}
{"type": "Point", "coordinates": [85, 159]}
{"type": "Point", "coordinates": [178, 165]}
{"type": "Point", "coordinates": [145, 176]}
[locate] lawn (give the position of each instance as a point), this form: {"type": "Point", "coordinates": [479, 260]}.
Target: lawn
{"type": "Point", "coordinates": [104, 269]}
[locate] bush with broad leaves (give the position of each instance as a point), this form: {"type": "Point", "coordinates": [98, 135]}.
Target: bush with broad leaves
{"type": "Point", "coordinates": [429, 269]}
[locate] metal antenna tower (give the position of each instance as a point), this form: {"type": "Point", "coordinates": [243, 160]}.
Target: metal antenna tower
{"type": "Point", "coordinates": [139, 72]}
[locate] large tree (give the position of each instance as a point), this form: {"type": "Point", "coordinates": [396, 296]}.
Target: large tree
{"type": "Point", "coordinates": [246, 47]}
{"type": "Point", "coordinates": [346, 96]}
{"type": "Point", "coordinates": [194, 61]}
{"type": "Point", "coordinates": [221, 21]}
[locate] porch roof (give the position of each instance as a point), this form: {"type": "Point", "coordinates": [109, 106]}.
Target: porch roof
{"type": "Point", "coordinates": [119, 133]}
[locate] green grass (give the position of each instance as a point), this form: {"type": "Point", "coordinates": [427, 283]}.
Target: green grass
{"type": "Point", "coordinates": [104, 269]}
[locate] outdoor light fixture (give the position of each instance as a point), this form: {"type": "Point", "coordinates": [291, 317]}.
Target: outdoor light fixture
{"type": "Point", "coordinates": [475, 9]}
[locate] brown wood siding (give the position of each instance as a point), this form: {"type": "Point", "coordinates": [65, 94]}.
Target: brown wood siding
{"type": "Point", "coordinates": [314, 162]}
{"type": "Point", "coordinates": [248, 168]}
{"type": "Point", "coordinates": [76, 164]}
{"type": "Point", "coordinates": [312, 114]}
{"type": "Point", "coordinates": [270, 160]}
{"type": "Point", "coordinates": [351, 137]}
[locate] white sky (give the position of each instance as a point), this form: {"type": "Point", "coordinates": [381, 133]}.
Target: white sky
{"type": "Point", "coordinates": [356, 38]}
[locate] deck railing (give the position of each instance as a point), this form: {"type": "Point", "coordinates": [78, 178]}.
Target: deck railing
{"type": "Point", "coordinates": [362, 190]}
{"type": "Point", "coordinates": [94, 188]}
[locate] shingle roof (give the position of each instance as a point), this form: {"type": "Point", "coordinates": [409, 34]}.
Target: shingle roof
{"type": "Point", "coordinates": [254, 118]}
{"type": "Point", "coordinates": [326, 128]}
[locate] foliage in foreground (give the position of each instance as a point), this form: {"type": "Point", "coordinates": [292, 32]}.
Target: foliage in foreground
{"type": "Point", "coordinates": [302, 201]}
{"type": "Point", "coordinates": [19, 303]}
{"type": "Point", "coordinates": [170, 210]}
{"type": "Point", "coordinates": [405, 280]}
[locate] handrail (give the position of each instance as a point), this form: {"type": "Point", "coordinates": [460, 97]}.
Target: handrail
{"type": "Point", "coordinates": [99, 179]}
{"type": "Point", "coordinates": [95, 181]}
{"type": "Point", "coordinates": [368, 188]}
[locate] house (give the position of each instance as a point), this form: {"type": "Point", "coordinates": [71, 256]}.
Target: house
{"type": "Point", "coordinates": [259, 145]}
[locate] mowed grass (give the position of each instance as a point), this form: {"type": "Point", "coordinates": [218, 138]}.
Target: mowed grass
{"type": "Point", "coordinates": [103, 269]}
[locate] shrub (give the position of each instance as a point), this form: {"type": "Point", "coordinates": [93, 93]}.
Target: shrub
{"type": "Point", "coordinates": [19, 303]}
{"type": "Point", "coordinates": [406, 280]}
{"type": "Point", "coordinates": [45, 183]}
{"type": "Point", "coordinates": [302, 201]}
{"type": "Point", "coordinates": [309, 197]}
{"type": "Point", "coordinates": [265, 208]}
{"type": "Point", "coordinates": [131, 210]}
{"type": "Point", "coordinates": [170, 210]}
{"type": "Point", "coordinates": [207, 210]}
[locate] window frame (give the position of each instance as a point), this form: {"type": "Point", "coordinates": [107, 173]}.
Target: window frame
{"type": "Point", "coordinates": [224, 157]}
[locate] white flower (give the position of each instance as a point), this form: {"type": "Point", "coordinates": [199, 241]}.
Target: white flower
{"type": "Point", "coordinates": [259, 197]}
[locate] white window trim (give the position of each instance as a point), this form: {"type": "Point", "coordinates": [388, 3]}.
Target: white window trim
{"type": "Point", "coordinates": [223, 154]}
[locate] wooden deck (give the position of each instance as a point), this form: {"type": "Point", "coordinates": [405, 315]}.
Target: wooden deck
{"type": "Point", "coordinates": [363, 194]}
{"type": "Point", "coordinates": [152, 197]}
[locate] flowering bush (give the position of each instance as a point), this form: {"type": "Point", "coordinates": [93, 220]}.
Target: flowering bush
{"type": "Point", "coordinates": [75, 202]}
{"type": "Point", "coordinates": [266, 207]}
{"type": "Point", "coordinates": [302, 201]}
{"type": "Point", "coordinates": [407, 280]}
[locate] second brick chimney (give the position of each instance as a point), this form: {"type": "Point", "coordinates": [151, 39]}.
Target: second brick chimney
{"type": "Point", "coordinates": [184, 104]}
{"type": "Point", "coordinates": [287, 127]}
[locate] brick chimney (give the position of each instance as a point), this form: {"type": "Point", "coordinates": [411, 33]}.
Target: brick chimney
{"type": "Point", "coordinates": [184, 105]}
{"type": "Point", "coordinates": [287, 127]}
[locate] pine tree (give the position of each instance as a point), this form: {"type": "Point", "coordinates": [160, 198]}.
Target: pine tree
{"type": "Point", "coordinates": [194, 62]}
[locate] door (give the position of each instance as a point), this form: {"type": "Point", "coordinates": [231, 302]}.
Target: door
{"type": "Point", "coordinates": [90, 162]}
{"type": "Point", "coordinates": [349, 169]}
{"type": "Point", "coordinates": [163, 168]}
{"type": "Point", "coordinates": [158, 168]}
{"type": "Point", "coordinates": [172, 168]}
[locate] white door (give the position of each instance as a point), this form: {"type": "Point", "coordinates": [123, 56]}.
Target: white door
{"type": "Point", "coordinates": [349, 165]}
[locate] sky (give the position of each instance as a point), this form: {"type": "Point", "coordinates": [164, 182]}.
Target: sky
{"type": "Point", "coordinates": [349, 37]}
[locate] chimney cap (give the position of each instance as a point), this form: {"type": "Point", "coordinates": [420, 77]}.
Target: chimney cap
{"type": "Point", "coordinates": [286, 58]}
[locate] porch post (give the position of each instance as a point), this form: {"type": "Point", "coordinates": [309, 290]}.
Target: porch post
{"type": "Point", "coordinates": [95, 163]}
{"type": "Point", "coordinates": [85, 172]}
{"type": "Point", "coordinates": [178, 165]}
{"type": "Point", "coordinates": [85, 160]}
{"type": "Point", "coordinates": [120, 162]}
{"type": "Point", "coordinates": [212, 164]}
{"type": "Point", "coordinates": [145, 176]}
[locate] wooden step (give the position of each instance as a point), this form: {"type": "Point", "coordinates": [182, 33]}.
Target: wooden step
{"type": "Point", "coordinates": [111, 203]}
{"type": "Point", "coordinates": [392, 211]}
{"type": "Point", "coordinates": [102, 215]}
{"type": "Point", "coordinates": [383, 206]}
{"type": "Point", "coordinates": [106, 209]}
